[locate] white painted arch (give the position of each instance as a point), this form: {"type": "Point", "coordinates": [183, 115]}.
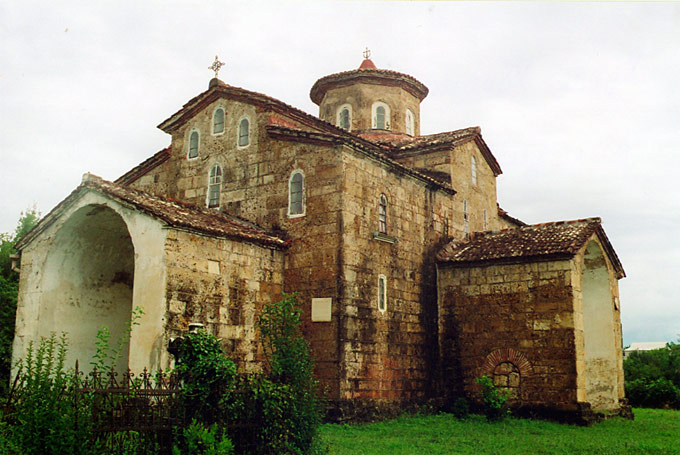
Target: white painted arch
{"type": "Point", "coordinates": [95, 261]}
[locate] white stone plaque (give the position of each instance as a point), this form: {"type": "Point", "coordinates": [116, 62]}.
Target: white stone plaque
{"type": "Point", "coordinates": [321, 309]}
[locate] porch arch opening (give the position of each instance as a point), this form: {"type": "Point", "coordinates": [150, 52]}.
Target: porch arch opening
{"type": "Point", "coordinates": [88, 282]}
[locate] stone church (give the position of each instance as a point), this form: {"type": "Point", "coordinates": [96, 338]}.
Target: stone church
{"type": "Point", "coordinates": [412, 280]}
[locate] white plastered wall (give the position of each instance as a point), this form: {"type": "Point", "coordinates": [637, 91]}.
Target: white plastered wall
{"type": "Point", "coordinates": [82, 240]}
{"type": "Point", "coordinates": [598, 369]}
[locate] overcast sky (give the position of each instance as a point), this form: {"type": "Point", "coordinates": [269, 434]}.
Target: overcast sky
{"type": "Point", "coordinates": [579, 102]}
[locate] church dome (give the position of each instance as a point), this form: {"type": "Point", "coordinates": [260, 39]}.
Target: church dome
{"type": "Point", "coordinates": [368, 73]}
{"type": "Point", "coordinates": [370, 101]}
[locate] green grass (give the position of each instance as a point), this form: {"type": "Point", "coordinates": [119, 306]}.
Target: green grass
{"type": "Point", "coordinates": [653, 431]}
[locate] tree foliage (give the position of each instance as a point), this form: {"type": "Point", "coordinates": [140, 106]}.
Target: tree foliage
{"type": "Point", "coordinates": [652, 378]}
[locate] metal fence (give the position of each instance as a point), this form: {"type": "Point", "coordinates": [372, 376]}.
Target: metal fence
{"type": "Point", "coordinates": [129, 410]}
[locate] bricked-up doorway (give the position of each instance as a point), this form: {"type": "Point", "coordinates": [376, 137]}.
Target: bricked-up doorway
{"type": "Point", "coordinates": [88, 281]}
{"type": "Point", "coordinates": [598, 331]}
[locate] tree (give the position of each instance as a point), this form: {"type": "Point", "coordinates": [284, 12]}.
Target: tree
{"type": "Point", "coordinates": [27, 220]}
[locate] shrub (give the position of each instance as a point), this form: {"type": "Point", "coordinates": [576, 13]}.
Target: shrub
{"type": "Point", "coordinates": [657, 393]}
{"type": "Point", "coordinates": [652, 378]}
{"type": "Point", "coordinates": [201, 440]}
{"type": "Point", "coordinates": [460, 408]}
{"type": "Point", "coordinates": [281, 410]}
{"type": "Point", "coordinates": [291, 365]}
{"type": "Point", "coordinates": [494, 400]}
{"type": "Point", "coordinates": [42, 417]}
{"type": "Point", "coordinates": [206, 375]}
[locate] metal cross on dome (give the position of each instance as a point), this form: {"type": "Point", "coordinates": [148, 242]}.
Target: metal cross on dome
{"type": "Point", "coordinates": [367, 54]}
{"type": "Point", "coordinates": [216, 66]}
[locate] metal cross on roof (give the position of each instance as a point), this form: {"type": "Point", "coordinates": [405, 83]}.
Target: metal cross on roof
{"type": "Point", "coordinates": [216, 66]}
{"type": "Point", "coordinates": [367, 54]}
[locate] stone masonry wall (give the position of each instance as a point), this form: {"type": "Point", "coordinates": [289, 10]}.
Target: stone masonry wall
{"type": "Point", "coordinates": [255, 187]}
{"type": "Point", "coordinates": [513, 322]}
{"type": "Point", "coordinates": [389, 355]}
{"type": "Point", "coordinates": [222, 284]}
{"type": "Point", "coordinates": [456, 163]}
{"type": "Point", "coordinates": [362, 96]}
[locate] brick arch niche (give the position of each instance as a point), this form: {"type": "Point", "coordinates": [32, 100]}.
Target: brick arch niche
{"type": "Point", "coordinates": [507, 368]}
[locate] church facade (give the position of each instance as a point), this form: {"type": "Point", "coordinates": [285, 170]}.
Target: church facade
{"type": "Point", "coordinates": [413, 282]}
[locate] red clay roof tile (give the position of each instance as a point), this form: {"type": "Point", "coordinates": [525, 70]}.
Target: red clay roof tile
{"type": "Point", "coordinates": [561, 239]}
{"type": "Point", "coordinates": [172, 213]}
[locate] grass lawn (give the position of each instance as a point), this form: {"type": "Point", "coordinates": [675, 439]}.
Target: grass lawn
{"type": "Point", "coordinates": [653, 431]}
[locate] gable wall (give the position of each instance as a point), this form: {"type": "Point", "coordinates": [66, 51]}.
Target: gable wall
{"type": "Point", "coordinates": [525, 308]}
{"type": "Point", "coordinates": [455, 162]}
{"type": "Point", "coordinates": [45, 297]}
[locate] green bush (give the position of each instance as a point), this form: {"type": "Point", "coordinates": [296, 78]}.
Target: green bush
{"type": "Point", "coordinates": [652, 378]}
{"type": "Point", "coordinates": [201, 440]}
{"type": "Point", "coordinates": [460, 408]}
{"type": "Point", "coordinates": [494, 400]}
{"type": "Point", "coordinates": [8, 308]}
{"type": "Point", "coordinates": [206, 375]}
{"type": "Point", "coordinates": [41, 416]}
{"type": "Point", "coordinates": [281, 409]}
{"type": "Point", "coordinates": [656, 393]}
{"type": "Point", "coordinates": [291, 365]}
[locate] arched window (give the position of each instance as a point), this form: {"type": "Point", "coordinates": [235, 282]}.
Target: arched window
{"type": "Point", "coordinates": [193, 145]}
{"type": "Point", "coordinates": [344, 117]}
{"type": "Point", "coordinates": [466, 220]}
{"type": "Point", "coordinates": [381, 116]}
{"type": "Point", "coordinates": [382, 214]}
{"type": "Point", "coordinates": [410, 123]}
{"type": "Point", "coordinates": [243, 132]}
{"type": "Point", "coordinates": [214, 186]}
{"type": "Point", "coordinates": [486, 222]}
{"type": "Point", "coordinates": [382, 293]}
{"type": "Point", "coordinates": [218, 121]}
{"type": "Point", "coordinates": [296, 194]}
{"type": "Point", "coordinates": [473, 169]}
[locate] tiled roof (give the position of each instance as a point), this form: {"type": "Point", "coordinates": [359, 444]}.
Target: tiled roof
{"type": "Point", "coordinates": [144, 167]}
{"type": "Point", "coordinates": [423, 144]}
{"type": "Point", "coordinates": [503, 214]}
{"type": "Point", "coordinates": [219, 89]}
{"type": "Point", "coordinates": [447, 138]}
{"type": "Point", "coordinates": [562, 239]}
{"type": "Point", "coordinates": [359, 144]}
{"type": "Point", "coordinates": [409, 83]}
{"type": "Point", "coordinates": [172, 213]}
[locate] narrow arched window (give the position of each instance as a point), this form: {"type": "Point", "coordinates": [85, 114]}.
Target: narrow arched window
{"type": "Point", "coordinates": [382, 293]}
{"type": "Point", "coordinates": [380, 118]}
{"type": "Point", "coordinates": [382, 214]}
{"type": "Point", "coordinates": [296, 192]}
{"type": "Point", "coordinates": [193, 144]}
{"type": "Point", "coordinates": [466, 220]}
{"type": "Point", "coordinates": [344, 119]}
{"type": "Point", "coordinates": [473, 169]}
{"type": "Point", "coordinates": [214, 186]}
{"type": "Point", "coordinates": [218, 121]}
{"type": "Point", "coordinates": [243, 132]}
{"type": "Point", "coordinates": [486, 222]}
{"type": "Point", "coordinates": [410, 123]}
